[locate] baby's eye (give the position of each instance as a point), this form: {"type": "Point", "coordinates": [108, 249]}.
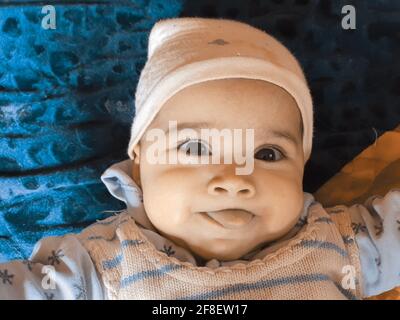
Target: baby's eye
{"type": "Point", "coordinates": [195, 148]}
{"type": "Point", "coordinates": [269, 154]}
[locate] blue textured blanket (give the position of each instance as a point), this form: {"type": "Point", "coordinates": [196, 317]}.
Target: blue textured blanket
{"type": "Point", "coordinates": [66, 105]}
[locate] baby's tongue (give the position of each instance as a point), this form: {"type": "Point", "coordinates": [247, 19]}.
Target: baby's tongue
{"type": "Point", "coordinates": [231, 218]}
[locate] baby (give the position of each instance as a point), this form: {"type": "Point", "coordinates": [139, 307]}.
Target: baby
{"type": "Point", "coordinates": [202, 220]}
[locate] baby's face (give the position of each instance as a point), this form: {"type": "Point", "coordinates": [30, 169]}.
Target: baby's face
{"type": "Point", "coordinates": [209, 208]}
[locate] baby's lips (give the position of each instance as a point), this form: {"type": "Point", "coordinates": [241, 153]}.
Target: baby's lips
{"type": "Point", "coordinates": [231, 218]}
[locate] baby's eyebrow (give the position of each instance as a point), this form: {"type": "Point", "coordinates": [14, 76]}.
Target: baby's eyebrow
{"type": "Point", "coordinates": [283, 134]}
{"type": "Point", "coordinates": [276, 133]}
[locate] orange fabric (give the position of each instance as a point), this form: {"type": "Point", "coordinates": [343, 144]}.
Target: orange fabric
{"type": "Point", "coordinates": [374, 171]}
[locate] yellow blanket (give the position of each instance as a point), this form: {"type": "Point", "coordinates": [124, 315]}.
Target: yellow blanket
{"type": "Point", "coordinates": [374, 171]}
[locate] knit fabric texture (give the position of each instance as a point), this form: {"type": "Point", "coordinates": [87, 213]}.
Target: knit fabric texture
{"type": "Point", "coordinates": [311, 265]}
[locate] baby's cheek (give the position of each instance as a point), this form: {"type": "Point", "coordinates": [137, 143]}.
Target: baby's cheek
{"type": "Point", "coordinates": [289, 208]}
{"type": "Point", "coordinates": [279, 184]}
{"type": "Point", "coordinates": [289, 198]}
{"type": "Point", "coordinates": [166, 194]}
{"type": "Point", "coordinates": [283, 197]}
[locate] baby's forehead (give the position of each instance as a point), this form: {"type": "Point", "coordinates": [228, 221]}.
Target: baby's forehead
{"type": "Point", "coordinates": [232, 103]}
{"type": "Point", "coordinates": [233, 92]}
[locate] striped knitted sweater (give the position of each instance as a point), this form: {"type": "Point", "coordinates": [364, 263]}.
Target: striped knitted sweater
{"type": "Point", "coordinates": [319, 262]}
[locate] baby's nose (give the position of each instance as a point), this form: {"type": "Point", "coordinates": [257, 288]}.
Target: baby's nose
{"type": "Point", "coordinates": [234, 186]}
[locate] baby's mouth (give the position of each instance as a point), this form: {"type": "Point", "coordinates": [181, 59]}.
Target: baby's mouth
{"type": "Point", "coordinates": [230, 218]}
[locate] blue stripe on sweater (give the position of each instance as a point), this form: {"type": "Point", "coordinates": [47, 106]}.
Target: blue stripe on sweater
{"type": "Point", "coordinates": [114, 262]}
{"type": "Point", "coordinates": [266, 284]}
{"type": "Point", "coordinates": [324, 219]}
{"type": "Point", "coordinates": [148, 274]}
{"type": "Point", "coordinates": [129, 243]}
{"type": "Point", "coordinates": [102, 238]}
{"type": "Point", "coordinates": [323, 245]}
{"type": "Point", "coordinates": [349, 295]}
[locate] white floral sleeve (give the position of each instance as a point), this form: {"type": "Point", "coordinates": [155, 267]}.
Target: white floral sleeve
{"type": "Point", "coordinates": [377, 228]}
{"type": "Point", "coordinates": [59, 268]}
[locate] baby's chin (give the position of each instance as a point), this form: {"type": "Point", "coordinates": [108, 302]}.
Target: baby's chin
{"type": "Point", "coordinates": [222, 250]}
{"type": "Point", "coordinates": [229, 249]}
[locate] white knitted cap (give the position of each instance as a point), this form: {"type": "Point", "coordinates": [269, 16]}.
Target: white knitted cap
{"type": "Point", "coordinates": [186, 51]}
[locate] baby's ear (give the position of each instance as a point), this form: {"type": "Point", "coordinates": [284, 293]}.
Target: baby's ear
{"type": "Point", "coordinates": [136, 165]}
{"type": "Point", "coordinates": [136, 152]}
